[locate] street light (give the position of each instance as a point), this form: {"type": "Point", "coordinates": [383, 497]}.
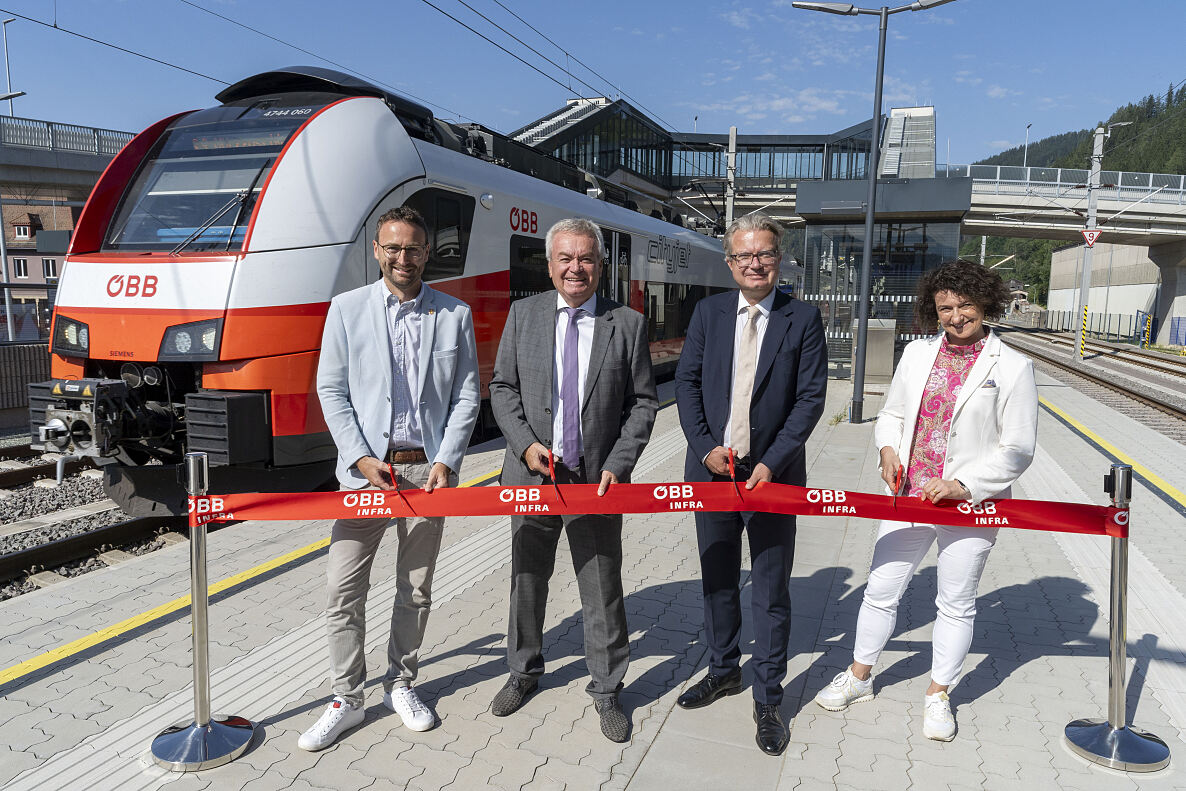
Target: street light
{"type": "Point", "coordinates": [1093, 188]}
{"type": "Point", "coordinates": [1025, 154]}
{"type": "Point", "coordinates": [7, 72]}
{"type": "Point", "coordinates": [857, 407]}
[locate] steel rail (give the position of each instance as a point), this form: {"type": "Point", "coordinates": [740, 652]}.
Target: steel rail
{"type": "Point", "coordinates": [1148, 400]}
{"type": "Point", "coordinates": [22, 475]}
{"type": "Point", "coordinates": [83, 545]}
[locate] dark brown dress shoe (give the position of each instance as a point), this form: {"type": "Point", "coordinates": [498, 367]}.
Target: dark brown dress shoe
{"type": "Point", "coordinates": [709, 688]}
{"type": "Point", "coordinates": [772, 736]}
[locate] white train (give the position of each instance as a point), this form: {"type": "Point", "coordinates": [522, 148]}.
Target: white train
{"type": "Point", "coordinates": [190, 309]}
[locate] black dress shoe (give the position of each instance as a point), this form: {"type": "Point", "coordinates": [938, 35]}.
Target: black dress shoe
{"type": "Point", "coordinates": [614, 724]}
{"type": "Point", "coordinates": [772, 731]}
{"type": "Point", "coordinates": [709, 688]}
{"type": "Point", "coordinates": [512, 695]}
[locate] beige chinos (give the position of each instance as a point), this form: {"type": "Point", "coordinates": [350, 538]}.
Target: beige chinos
{"type": "Point", "coordinates": [352, 550]}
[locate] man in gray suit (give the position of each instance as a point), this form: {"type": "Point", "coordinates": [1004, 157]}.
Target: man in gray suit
{"type": "Point", "coordinates": [398, 383]}
{"type": "Point", "coordinates": [573, 374]}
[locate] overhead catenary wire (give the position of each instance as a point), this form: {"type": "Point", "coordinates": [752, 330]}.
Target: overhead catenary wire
{"type": "Point", "coordinates": [323, 58]}
{"type": "Point", "coordinates": [56, 26]}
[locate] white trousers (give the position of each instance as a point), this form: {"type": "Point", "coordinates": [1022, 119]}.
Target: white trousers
{"type": "Point", "coordinates": [901, 546]}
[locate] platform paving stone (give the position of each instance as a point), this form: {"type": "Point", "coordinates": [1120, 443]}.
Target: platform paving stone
{"type": "Point", "coordinates": [1038, 657]}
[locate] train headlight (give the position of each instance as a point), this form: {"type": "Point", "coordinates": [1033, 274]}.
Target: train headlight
{"type": "Point", "coordinates": [71, 336]}
{"type": "Point", "coordinates": [195, 341]}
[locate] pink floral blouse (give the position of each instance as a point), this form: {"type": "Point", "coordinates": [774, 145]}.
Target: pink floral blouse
{"type": "Point", "coordinates": [934, 413]}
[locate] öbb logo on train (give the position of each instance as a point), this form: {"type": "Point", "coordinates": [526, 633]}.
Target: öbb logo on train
{"type": "Point", "coordinates": [679, 497]}
{"type": "Point", "coordinates": [525, 498]}
{"type": "Point", "coordinates": [833, 501]}
{"type": "Point", "coordinates": [132, 286]}
{"type": "Point", "coordinates": [986, 513]}
{"type": "Point", "coordinates": [524, 220]}
{"type": "Point", "coordinates": [367, 503]}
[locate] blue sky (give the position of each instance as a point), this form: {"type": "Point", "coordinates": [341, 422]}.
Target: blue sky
{"type": "Point", "coordinates": [989, 66]}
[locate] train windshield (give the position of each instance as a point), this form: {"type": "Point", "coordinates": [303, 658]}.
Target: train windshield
{"type": "Point", "coordinates": [195, 190]}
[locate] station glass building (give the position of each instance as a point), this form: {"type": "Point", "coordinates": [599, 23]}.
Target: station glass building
{"type": "Point", "coordinates": [815, 184]}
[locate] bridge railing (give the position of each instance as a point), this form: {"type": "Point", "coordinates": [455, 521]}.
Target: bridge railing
{"type": "Point", "coordinates": [29, 133]}
{"type": "Point", "coordinates": [1071, 182]}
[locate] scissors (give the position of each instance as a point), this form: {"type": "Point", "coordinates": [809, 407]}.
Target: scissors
{"type": "Point", "coordinates": [552, 473]}
{"type": "Point", "coordinates": [395, 483]}
{"type": "Point", "coordinates": [899, 479]}
{"type": "Point", "coordinates": [733, 473]}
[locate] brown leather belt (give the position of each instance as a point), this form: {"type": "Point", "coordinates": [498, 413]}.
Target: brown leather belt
{"type": "Point", "coordinates": [408, 456]}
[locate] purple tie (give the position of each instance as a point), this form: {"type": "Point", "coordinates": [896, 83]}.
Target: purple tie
{"type": "Point", "coordinates": [570, 398]}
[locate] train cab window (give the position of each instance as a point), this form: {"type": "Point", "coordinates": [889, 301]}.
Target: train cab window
{"type": "Point", "coordinates": [449, 217]}
{"type": "Point", "coordinates": [529, 267]}
{"type": "Point", "coordinates": [197, 186]}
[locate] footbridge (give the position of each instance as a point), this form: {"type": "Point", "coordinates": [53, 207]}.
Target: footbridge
{"type": "Point", "coordinates": [1147, 209]}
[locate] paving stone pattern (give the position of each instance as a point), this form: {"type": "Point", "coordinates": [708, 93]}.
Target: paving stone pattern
{"type": "Point", "coordinates": [1038, 660]}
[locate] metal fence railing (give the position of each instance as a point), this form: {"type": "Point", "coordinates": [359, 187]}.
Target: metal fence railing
{"type": "Point", "coordinates": [28, 133]}
{"type": "Point", "coordinates": [1118, 327]}
{"type": "Point", "coordinates": [1120, 185]}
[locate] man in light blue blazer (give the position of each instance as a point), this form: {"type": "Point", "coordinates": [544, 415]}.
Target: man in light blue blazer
{"type": "Point", "coordinates": [398, 384]}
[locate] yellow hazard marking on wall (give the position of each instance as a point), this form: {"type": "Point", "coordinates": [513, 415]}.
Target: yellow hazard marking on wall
{"type": "Point", "coordinates": [1140, 469]}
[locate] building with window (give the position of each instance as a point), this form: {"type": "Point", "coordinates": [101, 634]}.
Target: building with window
{"type": "Point", "coordinates": [47, 171]}
{"type": "Point", "coordinates": [814, 184]}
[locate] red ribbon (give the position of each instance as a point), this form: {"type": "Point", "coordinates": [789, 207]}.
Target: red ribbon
{"type": "Point", "coordinates": [649, 498]}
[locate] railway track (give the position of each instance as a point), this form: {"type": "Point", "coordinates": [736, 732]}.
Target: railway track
{"type": "Point", "coordinates": [1156, 361]}
{"type": "Point", "coordinates": [54, 554]}
{"type": "Point", "coordinates": [17, 476]}
{"type": "Point", "coordinates": [1163, 415]}
{"type": "Point", "coordinates": [13, 452]}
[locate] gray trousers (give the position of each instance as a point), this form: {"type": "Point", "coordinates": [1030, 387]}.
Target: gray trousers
{"type": "Point", "coordinates": [352, 549]}
{"type": "Point", "coordinates": [595, 542]}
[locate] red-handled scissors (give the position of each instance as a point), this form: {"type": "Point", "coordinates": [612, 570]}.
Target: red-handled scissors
{"type": "Point", "coordinates": [552, 473]}
{"type": "Point", "coordinates": [899, 477]}
{"type": "Point", "coordinates": [395, 483]}
{"type": "Point", "coordinates": [733, 473]}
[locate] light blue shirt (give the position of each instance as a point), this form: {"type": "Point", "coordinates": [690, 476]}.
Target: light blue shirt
{"type": "Point", "coordinates": [403, 332]}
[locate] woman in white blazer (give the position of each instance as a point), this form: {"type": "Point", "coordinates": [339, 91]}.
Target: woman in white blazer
{"type": "Point", "coordinates": [959, 422]}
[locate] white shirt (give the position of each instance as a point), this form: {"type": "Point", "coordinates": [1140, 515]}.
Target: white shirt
{"type": "Point", "coordinates": [585, 322]}
{"type": "Point", "coordinates": [403, 331]}
{"type": "Point", "coordinates": [742, 317]}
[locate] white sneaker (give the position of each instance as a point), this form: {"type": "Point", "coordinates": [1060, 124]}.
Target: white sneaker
{"type": "Point", "coordinates": [845, 690]}
{"type": "Point", "coordinates": [338, 718]}
{"type": "Point", "coordinates": [407, 704]}
{"type": "Point", "coordinates": [937, 721]}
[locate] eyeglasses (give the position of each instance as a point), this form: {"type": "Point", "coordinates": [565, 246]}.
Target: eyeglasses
{"type": "Point", "coordinates": [763, 257]}
{"type": "Point", "coordinates": [413, 250]}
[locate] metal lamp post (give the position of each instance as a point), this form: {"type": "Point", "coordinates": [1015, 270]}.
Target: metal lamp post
{"type": "Point", "coordinates": [1093, 188]}
{"type": "Point", "coordinates": [857, 407]}
{"type": "Point", "coordinates": [7, 71]}
{"type": "Point", "coordinates": [1025, 152]}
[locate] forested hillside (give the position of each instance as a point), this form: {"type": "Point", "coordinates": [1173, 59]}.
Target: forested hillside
{"type": "Point", "coordinates": [1154, 143]}
{"type": "Point", "coordinates": [1042, 153]}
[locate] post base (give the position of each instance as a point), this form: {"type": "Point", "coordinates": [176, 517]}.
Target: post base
{"type": "Point", "coordinates": [192, 747]}
{"type": "Point", "coordinates": [1126, 749]}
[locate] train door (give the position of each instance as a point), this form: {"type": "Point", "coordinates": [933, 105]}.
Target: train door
{"type": "Point", "coordinates": [615, 275]}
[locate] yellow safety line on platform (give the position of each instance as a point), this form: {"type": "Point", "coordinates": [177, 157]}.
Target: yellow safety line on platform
{"type": "Point", "coordinates": [91, 640]}
{"type": "Point", "coordinates": [1138, 468]}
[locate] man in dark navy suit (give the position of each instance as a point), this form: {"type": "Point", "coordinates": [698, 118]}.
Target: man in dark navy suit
{"type": "Point", "coordinates": [751, 378]}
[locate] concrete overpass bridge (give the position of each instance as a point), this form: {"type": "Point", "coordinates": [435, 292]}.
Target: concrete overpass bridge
{"type": "Point", "coordinates": [1147, 209]}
